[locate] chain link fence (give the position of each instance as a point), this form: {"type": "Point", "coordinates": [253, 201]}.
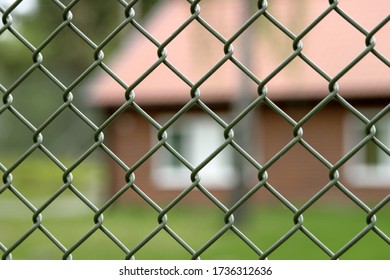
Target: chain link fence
{"type": "Point", "coordinates": [129, 12]}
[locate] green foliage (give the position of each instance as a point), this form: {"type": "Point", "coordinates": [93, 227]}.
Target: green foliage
{"type": "Point", "coordinates": [66, 55]}
{"type": "Point", "coordinates": [67, 51]}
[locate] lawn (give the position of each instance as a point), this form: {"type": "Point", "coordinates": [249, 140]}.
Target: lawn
{"type": "Point", "coordinates": [263, 226]}
{"type": "Point", "coordinates": [69, 220]}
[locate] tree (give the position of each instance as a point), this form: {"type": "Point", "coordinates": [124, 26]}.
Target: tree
{"type": "Point", "coordinates": [65, 54]}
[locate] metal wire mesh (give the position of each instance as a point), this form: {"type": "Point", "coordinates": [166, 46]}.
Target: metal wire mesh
{"type": "Point", "coordinates": [99, 130]}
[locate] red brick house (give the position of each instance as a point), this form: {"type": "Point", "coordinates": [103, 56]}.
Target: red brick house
{"type": "Point", "coordinates": [333, 131]}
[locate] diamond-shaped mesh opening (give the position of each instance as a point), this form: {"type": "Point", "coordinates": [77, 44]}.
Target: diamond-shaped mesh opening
{"type": "Point", "coordinates": [154, 90]}
{"type": "Point", "coordinates": [37, 177]}
{"type": "Point", "coordinates": [103, 21]}
{"type": "Point", "coordinates": [144, 52]}
{"type": "Point", "coordinates": [258, 40]}
{"type": "Point", "coordinates": [71, 124]}
{"type": "Point", "coordinates": [33, 30]}
{"type": "Point", "coordinates": [264, 225]}
{"type": "Point", "coordinates": [128, 126]}
{"type": "Point", "coordinates": [200, 230]}
{"type": "Point", "coordinates": [74, 223]}
{"type": "Point", "coordinates": [295, 82]}
{"type": "Point", "coordinates": [204, 51]}
{"type": "Point", "coordinates": [337, 52]}
{"type": "Point", "coordinates": [114, 91]}
{"type": "Point", "coordinates": [78, 61]}
{"type": "Point", "coordinates": [28, 95]}
{"type": "Point", "coordinates": [297, 183]}
{"type": "Point", "coordinates": [327, 214]}
{"type": "Point", "coordinates": [130, 224]}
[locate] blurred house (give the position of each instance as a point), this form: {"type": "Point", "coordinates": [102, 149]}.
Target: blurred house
{"type": "Point", "coordinates": [333, 131]}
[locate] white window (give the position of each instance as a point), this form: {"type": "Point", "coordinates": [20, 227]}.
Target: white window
{"type": "Point", "coordinates": [195, 137]}
{"type": "Point", "coordinates": [370, 167]}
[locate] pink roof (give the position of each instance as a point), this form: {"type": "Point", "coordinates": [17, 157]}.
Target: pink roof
{"type": "Point", "coordinates": [331, 45]}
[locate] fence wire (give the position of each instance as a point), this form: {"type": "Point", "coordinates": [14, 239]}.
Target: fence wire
{"type": "Point", "coordinates": [230, 224]}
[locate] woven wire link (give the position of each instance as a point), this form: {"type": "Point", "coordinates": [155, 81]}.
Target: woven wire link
{"type": "Point", "coordinates": [161, 130]}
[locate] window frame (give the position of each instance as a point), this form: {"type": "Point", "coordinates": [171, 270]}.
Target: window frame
{"type": "Point", "coordinates": [360, 173]}
{"type": "Point", "coordinates": [219, 175]}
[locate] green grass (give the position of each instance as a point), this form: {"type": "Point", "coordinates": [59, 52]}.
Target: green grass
{"type": "Point", "coordinates": [69, 220]}
{"type": "Point", "coordinates": [334, 226]}
{"type": "Point", "coordinates": [38, 177]}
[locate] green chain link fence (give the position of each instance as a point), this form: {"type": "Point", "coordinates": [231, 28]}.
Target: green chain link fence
{"type": "Point", "coordinates": [163, 213]}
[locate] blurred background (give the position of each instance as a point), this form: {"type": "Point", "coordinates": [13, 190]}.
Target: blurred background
{"type": "Point", "coordinates": [196, 220]}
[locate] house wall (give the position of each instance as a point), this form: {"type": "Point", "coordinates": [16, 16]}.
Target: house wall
{"type": "Point", "coordinates": [297, 174]}
{"type": "Point", "coordinates": [130, 137]}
